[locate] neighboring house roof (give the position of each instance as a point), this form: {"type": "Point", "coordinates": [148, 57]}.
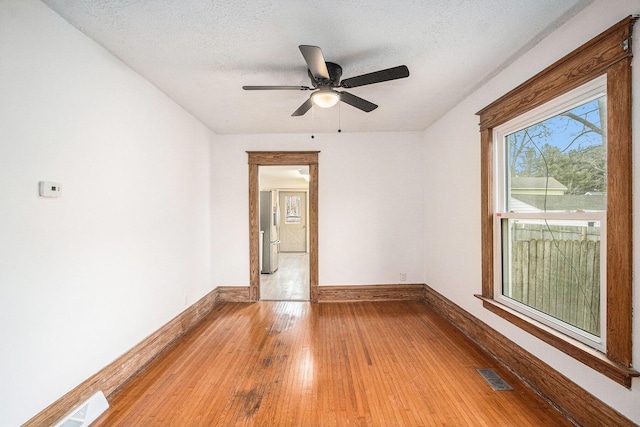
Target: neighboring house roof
{"type": "Point", "coordinates": [517, 205]}
{"type": "Point", "coordinates": [565, 202]}
{"type": "Point", "coordinates": [536, 183]}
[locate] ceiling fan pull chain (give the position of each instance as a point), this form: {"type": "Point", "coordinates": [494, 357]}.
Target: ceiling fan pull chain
{"type": "Point", "coordinates": [313, 122]}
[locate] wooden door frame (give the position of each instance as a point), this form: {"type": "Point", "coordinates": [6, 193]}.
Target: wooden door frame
{"type": "Point", "coordinates": [282, 158]}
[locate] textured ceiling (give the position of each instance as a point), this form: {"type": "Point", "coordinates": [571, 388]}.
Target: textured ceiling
{"type": "Point", "coordinates": [201, 53]}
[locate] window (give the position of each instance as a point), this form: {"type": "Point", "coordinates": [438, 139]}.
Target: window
{"type": "Point", "coordinates": [556, 204]}
{"type": "Point", "coordinates": [550, 216]}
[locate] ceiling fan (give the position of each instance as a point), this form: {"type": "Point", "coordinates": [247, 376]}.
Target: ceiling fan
{"type": "Point", "coordinates": [325, 78]}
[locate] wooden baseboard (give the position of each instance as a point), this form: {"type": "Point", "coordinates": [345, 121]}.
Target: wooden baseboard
{"type": "Point", "coordinates": [234, 294]}
{"type": "Point", "coordinates": [413, 292]}
{"type": "Point", "coordinates": [112, 377]}
{"type": "Point", "coordinates": [576, 403]}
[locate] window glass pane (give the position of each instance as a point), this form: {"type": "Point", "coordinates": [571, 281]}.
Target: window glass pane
{"type": "Point", "coordinates": [554, 267]}
{"type": "Point", "coordinates": [559, 164]}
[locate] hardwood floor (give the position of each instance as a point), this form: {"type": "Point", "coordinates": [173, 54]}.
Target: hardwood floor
{"type": "Point", "coordinates": [290, 282]}
{"type": "Point", "coordinates": [331, 364]}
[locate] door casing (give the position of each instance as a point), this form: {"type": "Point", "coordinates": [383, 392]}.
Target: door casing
{"type": "Point", "coordinates": [282, 158]}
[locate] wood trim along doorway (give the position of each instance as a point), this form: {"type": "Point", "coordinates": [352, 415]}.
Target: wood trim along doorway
{"type": "Point", "coordinates": [282, 158]}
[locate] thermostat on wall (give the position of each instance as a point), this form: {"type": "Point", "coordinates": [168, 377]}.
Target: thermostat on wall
{"type": "Point", "coordinates": [50, 189]}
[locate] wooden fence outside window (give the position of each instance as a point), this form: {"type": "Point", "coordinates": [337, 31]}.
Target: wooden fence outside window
{"type": "Point", "coordinates": [560, 278]}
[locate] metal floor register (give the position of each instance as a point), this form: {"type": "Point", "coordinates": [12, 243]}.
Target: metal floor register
{"type": "Point", "coordinates": [494, 379]}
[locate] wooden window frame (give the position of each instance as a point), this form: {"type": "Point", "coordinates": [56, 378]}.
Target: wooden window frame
{"type": "Point", "coordinates": [607, 54]}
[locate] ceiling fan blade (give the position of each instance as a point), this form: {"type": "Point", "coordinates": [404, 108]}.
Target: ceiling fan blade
{"type": "Point", "coordinates": [276, 88]}
{"type": "Point", "coordinates": [303, 108]}
{"type": "Point", "coordinates": [356, 101]}
{"type": "Point", "coordinates": [315, 61]}
{"type": "Point", "coordinates": [376, 77]}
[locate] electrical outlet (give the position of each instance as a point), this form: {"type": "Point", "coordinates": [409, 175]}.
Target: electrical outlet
{"type": "Point", "coordinates": [403, 277]}
{"type": "Point", "coordinates": [49, 189]}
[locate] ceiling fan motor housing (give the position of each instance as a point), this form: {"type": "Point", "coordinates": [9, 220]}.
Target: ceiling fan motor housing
{"type": "Point", "coordinates": [335, 73]}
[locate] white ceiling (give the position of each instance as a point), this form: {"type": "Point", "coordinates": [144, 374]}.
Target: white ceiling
{"type": "Point", "coordinates": [201, 53]}
{"type": "Point", "coordinates": [283, 177]}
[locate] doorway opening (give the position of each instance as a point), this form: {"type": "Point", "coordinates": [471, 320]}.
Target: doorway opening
{"type": "Point", "coordinates": [284, 253]}
{"type": "Point", "coordinates": [292, 215]}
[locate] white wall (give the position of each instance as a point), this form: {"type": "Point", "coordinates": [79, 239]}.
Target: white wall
{"type": "Point", "coordinates": [371, 220]}
{"type": "Point", "coordinates": [452, 159]}
{"type": "Point", "coordinates": [85, 277]}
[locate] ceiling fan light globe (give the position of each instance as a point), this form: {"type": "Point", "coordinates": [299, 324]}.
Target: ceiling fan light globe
{"type": "Point", "coordinates": [325, 98]}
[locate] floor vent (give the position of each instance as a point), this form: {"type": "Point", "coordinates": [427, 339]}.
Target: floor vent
{"type": "Point", "coordinates": [494, 379]}
{"type": "Point", "coordinates": [86, 413]}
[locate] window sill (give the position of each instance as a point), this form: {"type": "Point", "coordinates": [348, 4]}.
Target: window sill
{"type": "Point", "coordinates": [579, 351]}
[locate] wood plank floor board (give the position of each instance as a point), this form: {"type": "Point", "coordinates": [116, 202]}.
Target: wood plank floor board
{"type": "Point", "coordinates": [332, 364]}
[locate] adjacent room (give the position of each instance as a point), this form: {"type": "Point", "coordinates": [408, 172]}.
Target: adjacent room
{"type": "Point", "coordinates": [303, 213]}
